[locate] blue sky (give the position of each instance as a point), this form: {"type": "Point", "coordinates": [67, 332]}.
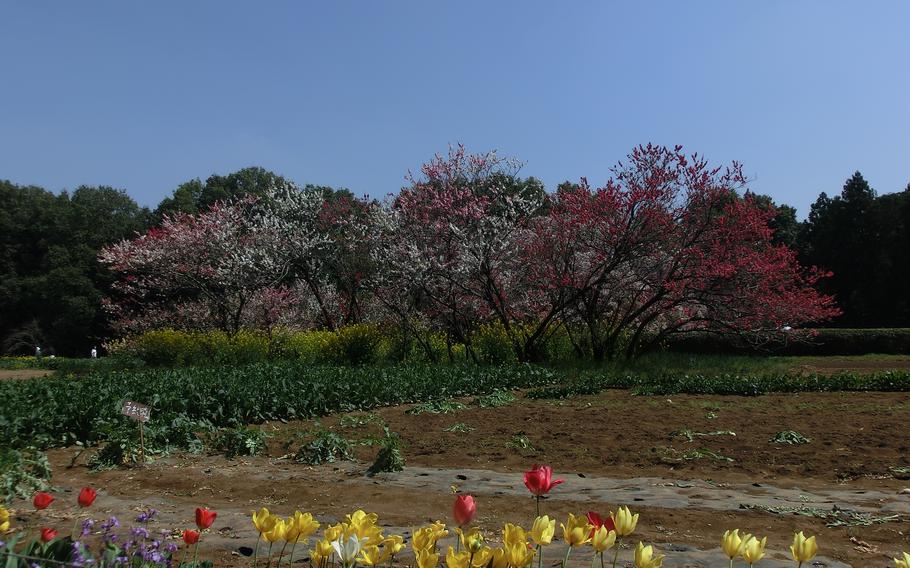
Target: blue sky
{"type": "Point", "coordinates": [146, 95]}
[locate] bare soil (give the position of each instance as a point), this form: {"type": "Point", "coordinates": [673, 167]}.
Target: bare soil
{"type": "Point", "coordinates": [23, 373]}
{"type": "Point", "coordinates": [613, 449]}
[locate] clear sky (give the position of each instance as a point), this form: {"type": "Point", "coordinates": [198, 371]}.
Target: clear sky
{"type": "Point", "coordinates": [146, 95]}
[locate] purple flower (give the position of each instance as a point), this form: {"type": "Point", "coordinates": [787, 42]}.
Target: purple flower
{"type": "Point", "coordinates": [146, 515]}
{"type": "Point", "coordinates": [87, 526]}
{"type": "Point", "coordinates": [140, 532]}
{"type": "Point", "coordinates": [110, 524]}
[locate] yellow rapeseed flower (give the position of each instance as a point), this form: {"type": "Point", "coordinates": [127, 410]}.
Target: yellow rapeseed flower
{"type": "Point", "coordinates": [542, 530]}
{"type": "Point", "coordinates": [576, 531]}
{"type": "Point", "coordinates": [803, 549]}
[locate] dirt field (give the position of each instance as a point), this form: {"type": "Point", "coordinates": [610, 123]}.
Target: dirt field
{"type": "Point", "coordinates": [612, 449]}
{"type": "Point", "coordinates": [23, 373]}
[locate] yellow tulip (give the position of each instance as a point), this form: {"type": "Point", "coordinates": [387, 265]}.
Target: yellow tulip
{"type": "Point", "coordinates": [370, 556]}
{"type": "Point", "coordinates": [426, 559]}
{"type": "Point", "coordinates": [576, 531]}
{"type": "Point", "coordinates": [482, 557]}
{"type": "Point", "coordinates": [905, 563]}
{"type": "Point", "coordinates": [542, 530]}
{"type": "Point", "coordinates": [277, 532]}
{"type": "Point", "coordinates": [301, 526]}
{"type": "Point", "coordinates": [754, 550]}
{"type": "Point", "coordinates": [498, 559]}
{"type": "Point", "coordinates": [803, 549]}
{"type": "Point", "coordinates": [263, 520]}
{"type": "Point", "coordinates": [333, 532]}
{"type": "Point", "coordinates": [732, 543]}
{"type": "Point", "coordinates": [4, 520]}
{"type": "Point", "coordinates": [518, 554]}
{"type": "Point", "coordinates": [625, 521]}
{"type": "Point", "coordinates": [644, 557]}
{"type": "Point", "coordinates": [603, 539]}
{"type": "Point", "coordinates": [321, 553]}
{"type": "Point", "coordinates": [472, 540]}
{"type": "Point", "coordinates": [514, 534]}
{"type": "Point", "coordinates": [393, 544]}
{"type": "Point", "coordinates": [458, 560]}
{"type": "Point", "coordinates": [425, 538]}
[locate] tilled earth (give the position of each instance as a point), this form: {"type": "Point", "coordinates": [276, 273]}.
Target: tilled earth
{"type": "Point", "coordinates": [693, 466]}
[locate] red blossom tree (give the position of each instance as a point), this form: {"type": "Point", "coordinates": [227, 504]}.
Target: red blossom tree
{"type": "Point", "coordinates": [668, 247]}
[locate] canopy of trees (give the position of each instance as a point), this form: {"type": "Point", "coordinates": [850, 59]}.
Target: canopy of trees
{"type": "Point", "coordinates": [667, 245]}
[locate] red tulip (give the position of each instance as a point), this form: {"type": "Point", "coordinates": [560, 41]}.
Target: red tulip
{"type": "Point", "coordinates": [539, 480]}
{"type": "Point", "coordinates": [190, 536]}
{"type": "Point", "coordinates": [48, 535]}
{"type": "Point", "coordinates": [87, 496]}
{"type": "Point", "coordinates": [597, 521]}
{"type": "Point", "coordinates": [42, 500]}
{"type": "Point", "coordinates": [205, 518]}
{"type": "Point", "coordinates": [464, 509]}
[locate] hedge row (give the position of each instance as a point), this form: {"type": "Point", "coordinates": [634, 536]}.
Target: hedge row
{"type": "Point", "coordinates": [361, 344]}
{"type": "Point", "coordinates": [831, 341]}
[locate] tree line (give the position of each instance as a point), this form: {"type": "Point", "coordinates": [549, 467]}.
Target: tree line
{"type": "Point", "coordinates": [669, 244]}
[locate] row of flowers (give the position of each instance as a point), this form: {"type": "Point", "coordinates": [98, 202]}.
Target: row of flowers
{"type": "Point", "coordinates": [359, 540]}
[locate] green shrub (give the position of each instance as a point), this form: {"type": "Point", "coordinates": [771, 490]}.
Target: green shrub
{"type": "Point", "coordinates": [326, 447]}
{"type": "Point", "coordinates": [357, 344]}
{"type": "Point", "coordinates": [828, 341]}
{"type": "Point", "coordinates": [492, 344]}
{"type": "Point", "coordinates": [239, 441]}
{"type": "Point", "coordinates": [389, 458]}
{"type": "Point", "coordinates": [22, 473]}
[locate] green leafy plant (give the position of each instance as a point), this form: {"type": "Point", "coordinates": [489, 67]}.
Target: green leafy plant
{"type": "Point", "coordinates": [23, 472]}
{"type": "Point", "coordinates": [389, 458]}
{"type": "Point", "coordinates": [459, 427]}
{"type": "Point", "coordinates": [326, 447]}
{"type": "Point", "coordinates": [358, 420]}
{"type": "Point", "coordinates": [690, 435]}
{"type": "Point", "coordinates": [789, 437]}
{"type": "Point", "coordinates": [240, 441]}
{"type": "Point", "coordinates": [494, 399]}
{"type": "Point", "coordinates": [520, 442]}
{"type": "Point", "coordinates": [436, 407]}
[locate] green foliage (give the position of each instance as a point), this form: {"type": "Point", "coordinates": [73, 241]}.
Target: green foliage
{"type": "Point", "coordinates": [51, 285]}
{"type": "Point", "coordinates": [58, 412]}
{"type": "Point", "coordinates": [436, 407]}
{"type": "Point", "coordinates": [22, 473]}
{"type": "Point", "coordinates": [459, 427]}
{"type": "Point", "coordinates": [325, 447]}
{"type": "Point", "coordinates": [494, 400]}
{"type": "Point", "coordinates": [358, 420]}
{"type": "Point", "coordinates": [521, 442]}
{"type": "Point", "coordinates": [824, 342]}
{"type": "Point", "coordinates": [690, 435]}
{"type": "Point", "coordinates": [789, 437]}
{"type": "Point", "coordinates": [389, 458]}
{"type": "Point", "coordinates": [239, 441]}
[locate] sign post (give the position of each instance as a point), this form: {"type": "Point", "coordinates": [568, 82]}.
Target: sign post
{"type": "Point", "coordinates": [141, 414]}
